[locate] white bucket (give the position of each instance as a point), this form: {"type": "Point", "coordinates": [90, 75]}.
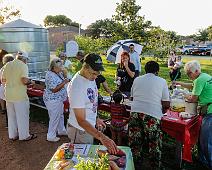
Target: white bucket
{"type": "Point", "coordinates": [191, 108]}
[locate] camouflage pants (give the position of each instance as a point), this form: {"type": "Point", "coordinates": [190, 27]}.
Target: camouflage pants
{"type": "Point", "coordinates": [145, 136]}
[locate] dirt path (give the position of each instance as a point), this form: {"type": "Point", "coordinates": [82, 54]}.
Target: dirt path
{"type": "Point", "coordinates": [31, 155]}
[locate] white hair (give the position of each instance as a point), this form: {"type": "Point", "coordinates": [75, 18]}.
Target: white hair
{"type": "Point", "coordinates": [192, 66]}
{"type": "Point", "coordinates": [56, 62]}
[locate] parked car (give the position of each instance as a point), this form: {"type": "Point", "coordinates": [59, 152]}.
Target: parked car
{"type": "Point", "coordinates": [201, 50]}
{"type": "Point", "coordinates": [186, 49]}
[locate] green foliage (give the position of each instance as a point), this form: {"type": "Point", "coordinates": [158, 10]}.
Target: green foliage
{"type": "Point", "coordinates": [102, 28]}
{"type": "Point", "coordinates": [101, 163]}
{"type": "Point", "coordinates": [90, 45]}
{"type": "Point", "coordinates": [209, 33]}
{"type": "Point", "coordinates": [160, 43]}
{"type": "Point", "coordinates": [59, 49]}
{"type": "Point", "coordinates": [134, 26]}
{"type": "Point", "coordinates": [202, 35]}
{"type": "Point", "coordinates": [57, 20]}
{"type": "Point", "coordinates": [7, 12]}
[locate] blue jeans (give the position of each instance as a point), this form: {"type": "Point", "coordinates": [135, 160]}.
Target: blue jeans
{"type": "Point", "coordinates": [205, 141]}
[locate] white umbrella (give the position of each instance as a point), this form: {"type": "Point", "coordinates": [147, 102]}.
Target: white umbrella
{"type": "Point", "coordinates": [114, 52]}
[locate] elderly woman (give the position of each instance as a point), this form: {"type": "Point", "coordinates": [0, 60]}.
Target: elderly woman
{"type": "Point", "coordinates": [7, 58]}
{"type": "Point", "coordinates": [125, 72]}
{"type": "Point", "coordinates": [201, 93]}
{"type": "Point", "coordinates": [54, 96]}
{"type": "Point", "coordinates": [150, 100]}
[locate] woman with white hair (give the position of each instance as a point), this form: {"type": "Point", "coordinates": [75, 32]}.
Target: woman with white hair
{"type": "Point", "coordinates": [54, 96]}
{"type": "Point", "coordinates": [201, 93]}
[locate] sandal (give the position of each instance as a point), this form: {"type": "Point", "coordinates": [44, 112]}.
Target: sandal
{"type": "Point", "coordinates": [31, 137]}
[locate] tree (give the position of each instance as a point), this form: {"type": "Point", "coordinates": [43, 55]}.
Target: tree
{"type": "Point", "coordinates": [104, 28]}
{"type": "Point", "coordinates": [209, 29]}
{"type": "Point", "coordinates": [57, 20]}
{"type": "Point", "coordinates": [135, 26]}
{"type": "Point", "coordinates": [161, 42]}
{"type": "Point", "coordinates": [202, 35]}
{"type": "Point", "coordinates": [7, 12]}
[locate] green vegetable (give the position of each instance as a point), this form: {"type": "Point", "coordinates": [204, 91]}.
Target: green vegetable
{"type": "Point", "coordinates": [101, 163]}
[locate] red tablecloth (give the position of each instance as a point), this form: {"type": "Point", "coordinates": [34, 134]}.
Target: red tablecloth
{"type": "Point", "coordinates": [185, 131]}
{"type": "Point", "coordinates": [32, 92]}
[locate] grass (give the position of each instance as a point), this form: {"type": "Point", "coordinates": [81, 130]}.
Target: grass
{"type": "Point", "coordinates": [40, 115]}
{"type": "Point", "coordinates": [110, 70]}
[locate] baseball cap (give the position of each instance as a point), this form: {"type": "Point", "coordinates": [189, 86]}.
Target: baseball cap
{"type": "Point", "coordinates": [94, 61]}
{"type": "Point", "coordinates": [22, 54]}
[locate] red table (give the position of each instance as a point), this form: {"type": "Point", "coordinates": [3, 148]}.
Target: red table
{"type": "Point", "coordinates": [33, 92]}
{"type": "Point", "coordinates": [184, 131]}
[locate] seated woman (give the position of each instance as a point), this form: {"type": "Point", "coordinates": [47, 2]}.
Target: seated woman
{"type": "Point", "coordinates": [119, 118]}
{"type": "Point", "coordinates": [126, 73]}
{"type": "Point", "coordinates": [54, 96]}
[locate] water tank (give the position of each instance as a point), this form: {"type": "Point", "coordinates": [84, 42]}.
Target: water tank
{"type": "Point", "coordinates": [20, 35]}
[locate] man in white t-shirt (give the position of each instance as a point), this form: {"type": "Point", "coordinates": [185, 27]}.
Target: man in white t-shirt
{"type": "Point", "coordinates": [67, 65]}
{"type": "Point", "coordinates": [83, 99]}
{"type": "Point", "coordinates": [150, 100]}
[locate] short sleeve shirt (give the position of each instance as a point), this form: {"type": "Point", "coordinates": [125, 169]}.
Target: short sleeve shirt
{"type": "Point", "coordinates": [52, 80]}
{"type": "Point", "coordinates": [126, 80]}
{"type": "Point", "coordinates": [15, 90]}
{"type": "Point", "coordinates": [82, 93]}
{"type": "Point", "coordinates": [148, 91]}
{"type": "Point", "coordinates": [203, 89]}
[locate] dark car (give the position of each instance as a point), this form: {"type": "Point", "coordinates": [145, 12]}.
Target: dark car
{"type": "Point", "coordinates": [201, 50]}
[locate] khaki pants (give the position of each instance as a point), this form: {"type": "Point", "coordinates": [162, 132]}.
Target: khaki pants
{"type": "Point", "coordinates": [78, 136]}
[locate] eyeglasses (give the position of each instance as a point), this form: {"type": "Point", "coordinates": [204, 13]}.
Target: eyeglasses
{"type": "Point", "coordinates": [94, 73]}
{"type": "Point", "coordinates": [58, 61]}
{"type": "Point", "coordinates": [189, 73]}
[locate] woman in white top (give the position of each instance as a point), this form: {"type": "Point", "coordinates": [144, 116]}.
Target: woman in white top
{"type": "Point", "coordinates": [54, 96]}
{"type": "Point", "coordinates": [150, 100]}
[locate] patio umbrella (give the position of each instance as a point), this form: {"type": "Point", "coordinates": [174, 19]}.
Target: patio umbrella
{"type": "Point", "coordinates": [114, 52]}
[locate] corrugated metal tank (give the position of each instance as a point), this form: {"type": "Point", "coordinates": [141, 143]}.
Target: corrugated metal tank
{"type": "Point", "coordinates": [20, 35]}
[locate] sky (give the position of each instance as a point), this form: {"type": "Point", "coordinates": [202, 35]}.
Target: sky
{"type": "Point", "coordinates": [185, 17]}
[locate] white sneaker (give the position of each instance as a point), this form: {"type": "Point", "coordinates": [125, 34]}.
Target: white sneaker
{"type": "Point", "coordinates": [63, 134]}
{"type": "Point", "coordinates": [56, 139]}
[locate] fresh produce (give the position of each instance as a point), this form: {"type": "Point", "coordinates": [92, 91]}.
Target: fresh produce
{"type": "Point", "coordinates": [101, 153]}
{"type": "Point", "coordinates": [120, 153]}
{"type": "Point", "coordinates": [113, 166]}
{"type": "Point", "coordinates": [101, 163]}
{"type": "Point", "coordinates": [121, 162]}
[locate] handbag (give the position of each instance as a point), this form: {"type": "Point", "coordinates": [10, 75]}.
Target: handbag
{"type": "Point", "coordinates": [202, 109]}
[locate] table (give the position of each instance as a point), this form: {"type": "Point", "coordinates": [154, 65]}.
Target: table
{"type": "Point", "coordinates": [91, 152]}
{"type": "Point", "coordinates": [185, 131]}
{"type": "Point", "coordinates": [38, 95]}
